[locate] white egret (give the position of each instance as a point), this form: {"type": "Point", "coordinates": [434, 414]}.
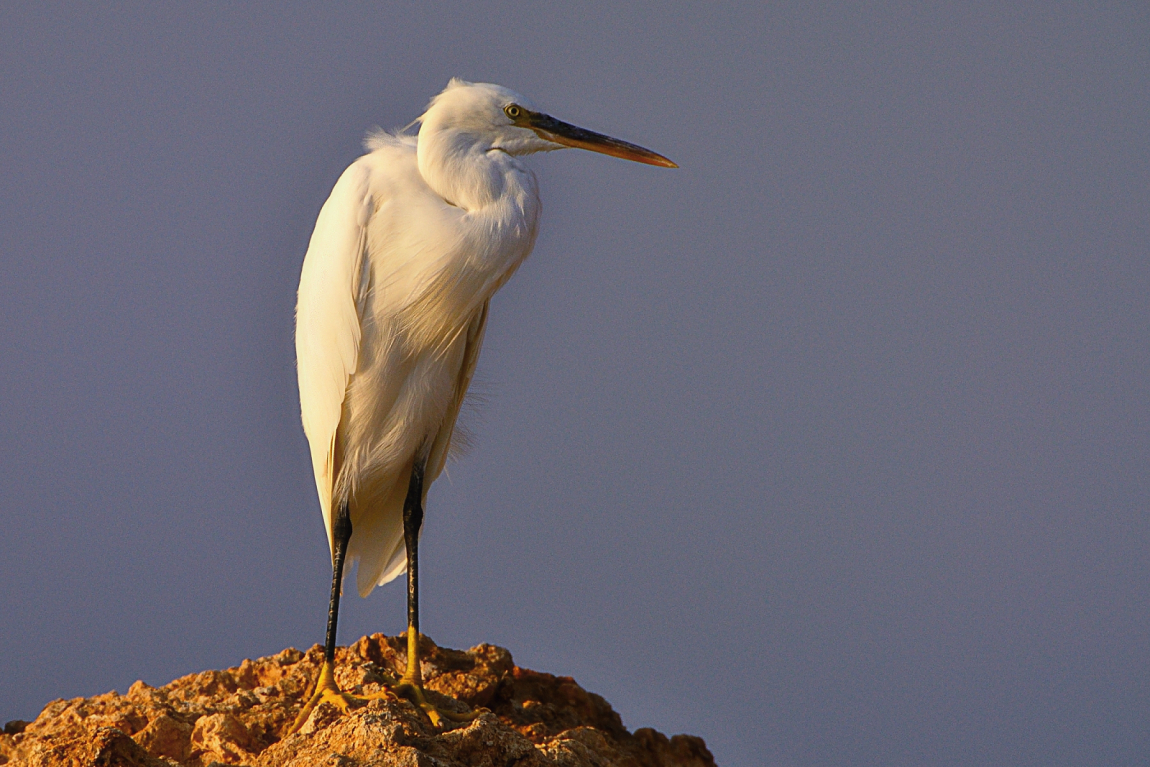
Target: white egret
{"type": "Point", "coordinates": [416, 237]}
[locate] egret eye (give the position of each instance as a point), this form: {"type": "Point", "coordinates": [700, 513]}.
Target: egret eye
{"type": "Point", "coordinates": [513, 111]}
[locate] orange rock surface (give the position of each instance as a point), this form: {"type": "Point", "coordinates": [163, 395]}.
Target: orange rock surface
{"type": "Point", "coordinates": [241, 716]}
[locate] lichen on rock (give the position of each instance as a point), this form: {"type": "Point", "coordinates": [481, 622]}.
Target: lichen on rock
{"type": "Point", "coordinates": [240, 716]}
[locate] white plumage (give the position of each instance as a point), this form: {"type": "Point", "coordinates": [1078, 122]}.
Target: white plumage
{"type": "Point", "coordinates": [415, 238]}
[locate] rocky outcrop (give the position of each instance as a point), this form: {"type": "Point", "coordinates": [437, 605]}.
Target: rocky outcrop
{"type": "Point", "coordinates": [241, 716]}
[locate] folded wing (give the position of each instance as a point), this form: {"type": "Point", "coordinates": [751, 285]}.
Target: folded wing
{"type": "Point", "coordinates": [328, 320]}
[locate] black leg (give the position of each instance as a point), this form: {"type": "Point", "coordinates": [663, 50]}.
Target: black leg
{"type": "Point", "coordinates": [325, 686]}
{"type": "Point", "coordinates": [411, 684]}
{"type": "Point", "coordinates": [412, 521]}
{"type": "Point", "coordinates": [341, 534]}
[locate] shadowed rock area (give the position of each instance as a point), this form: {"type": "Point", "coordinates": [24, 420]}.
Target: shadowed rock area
{"type": "Point", "coordinates": [241, 716]}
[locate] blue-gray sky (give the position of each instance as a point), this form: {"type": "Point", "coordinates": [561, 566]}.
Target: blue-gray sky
{"type": "Point", "coordinates": [830, 446]}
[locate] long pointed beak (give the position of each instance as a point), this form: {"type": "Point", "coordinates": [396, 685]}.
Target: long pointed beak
{"type": "Point", "coordinates": [550, 129]}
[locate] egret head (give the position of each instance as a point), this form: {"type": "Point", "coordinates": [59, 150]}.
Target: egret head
{"type": "Point", "coordinates": [500, 118]}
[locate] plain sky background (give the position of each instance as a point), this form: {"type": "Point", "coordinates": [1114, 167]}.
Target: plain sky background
{"type": "Point", "coordinates": [830, 446]}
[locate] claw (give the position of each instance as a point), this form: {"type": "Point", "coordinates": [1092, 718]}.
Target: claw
{"type": "Point", "coordinates": [414, 693]}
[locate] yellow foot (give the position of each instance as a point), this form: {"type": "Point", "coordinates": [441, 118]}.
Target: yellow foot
{"type": "Point", "coordinates": [413, 691]}
{"type": "Point", "coordinates": [327, 690]}
{"type": "Point", "coordinates": [411, 685]}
